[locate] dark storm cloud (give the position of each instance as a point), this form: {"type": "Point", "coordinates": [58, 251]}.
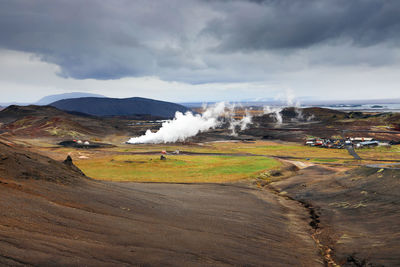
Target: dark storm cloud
{"type": "Point", "coordinates": [287, 24]}
{"type": "Point", "coordinates": [93, 39]}
{"type": "Point", "coordinates": [189, 40]}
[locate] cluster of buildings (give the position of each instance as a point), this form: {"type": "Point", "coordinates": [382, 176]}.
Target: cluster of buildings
{"type": "Point", "coordinates": [356, 142]}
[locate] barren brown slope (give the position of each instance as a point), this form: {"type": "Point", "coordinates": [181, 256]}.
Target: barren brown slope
{"type": "Point", "coordinates": [73, 220]}
{"type": "Point", "coordinates": [46, 121]}
{"type": "Point", "coordinates": [359, 212]}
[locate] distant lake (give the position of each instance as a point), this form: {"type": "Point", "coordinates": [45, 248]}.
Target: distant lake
{"type": "Point", "coordinates": [364, 107]}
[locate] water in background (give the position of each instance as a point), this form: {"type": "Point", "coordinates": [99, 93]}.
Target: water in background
{"type": "Point", "coordinates": [364, 107]}
{"type": "Point", "coordinates": [370, 107]}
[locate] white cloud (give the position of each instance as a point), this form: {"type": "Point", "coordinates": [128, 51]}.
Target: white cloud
{"type": "Point", "coordinates": [25, 78]}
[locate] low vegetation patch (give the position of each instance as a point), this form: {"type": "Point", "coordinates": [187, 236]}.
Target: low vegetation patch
{"type": "Point", "coordinates": [178, 169]}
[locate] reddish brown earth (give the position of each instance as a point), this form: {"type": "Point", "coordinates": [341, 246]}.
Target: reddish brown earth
{"type": "Point", "coordinates": [52, 215]}
{"type": "Point", "coordinates": [49, 122]}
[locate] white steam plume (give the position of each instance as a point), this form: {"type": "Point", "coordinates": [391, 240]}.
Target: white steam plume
{"type": "Point", "coordinates": [242, 124]}
{"type": "Point", "coordinates": [245, 121]}
{"type": "Point", "coordinates": [187, 125]}
{"type": "Point", "coordinates": [276, 111]}
{"type": "Point", "coordinates": [290, 101]}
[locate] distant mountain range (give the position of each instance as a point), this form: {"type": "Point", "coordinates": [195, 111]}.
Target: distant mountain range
{"type": "Point", "coordinates": [101, 106]}
{"type": "Point", "coordinates": [50, 99]}
{"type": "Point", "coordinates": [53, 98]}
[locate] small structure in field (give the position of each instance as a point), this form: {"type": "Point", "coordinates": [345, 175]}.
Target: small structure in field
{"type": "Point", "coordinates": [83, 144]}
{"type": "Point", "coordinates": [367, 144]}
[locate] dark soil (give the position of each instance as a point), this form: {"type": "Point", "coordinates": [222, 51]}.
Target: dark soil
{"type": "Point", "coordinates": [356, 214]}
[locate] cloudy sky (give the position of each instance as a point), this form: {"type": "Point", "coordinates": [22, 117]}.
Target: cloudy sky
{"type": "Point", "coordinates": [200, 50]}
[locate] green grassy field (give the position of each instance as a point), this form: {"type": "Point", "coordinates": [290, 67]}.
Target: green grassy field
{"type": "Point", "coordinates": [118, 164]}
{"type": "Point", "coordinates": [178, 169]}
{"type": "Point", "coordinates": [283, 149]}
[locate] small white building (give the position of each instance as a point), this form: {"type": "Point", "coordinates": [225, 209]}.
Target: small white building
{"type": "Point", "coordinates": [361, 139]}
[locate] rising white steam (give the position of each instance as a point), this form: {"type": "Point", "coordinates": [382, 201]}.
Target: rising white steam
{"type": "Point", "coordinates": [289, 100]}
{"type": "Point", "coordinates": [187, 125]}
{"type": "Point", "coordinates": [275, 111]}
{"type": "Point", "coordinates": [241, 124]}
{"type": "Point", "coordinates": [245, 121]}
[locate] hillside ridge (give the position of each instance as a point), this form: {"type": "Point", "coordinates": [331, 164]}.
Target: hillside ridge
{"type": "Point", "coordinates": [99, 106]}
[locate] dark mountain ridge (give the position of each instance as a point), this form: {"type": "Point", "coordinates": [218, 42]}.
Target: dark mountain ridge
{"type": "Point", "coordinates": [120, 106]}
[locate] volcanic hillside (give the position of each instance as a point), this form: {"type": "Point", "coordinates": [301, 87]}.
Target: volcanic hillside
{"type": "Point", "coordinates": [48, 121]}
{"type": "Point", "coordinates": [299, 123]}
{"type": "Point", "coordinates": [120, 107]}
{"type": "Point", "coordinates": [19, 165]}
